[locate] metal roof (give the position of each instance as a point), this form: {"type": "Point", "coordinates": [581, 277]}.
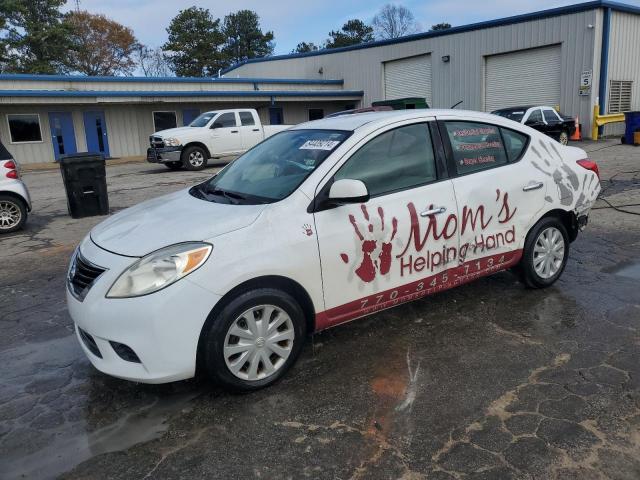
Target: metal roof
{"type": "Point", "coordinates": [553, 12]}
{"type": "Point", "coordinates": [83, 78]}
{"type": "Point", "coordinates": [178, 93]}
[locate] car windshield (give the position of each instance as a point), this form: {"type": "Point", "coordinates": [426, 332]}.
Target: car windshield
{"type": "Point", "coordinates": [202, 120]}
{"type": "Point", "coordinates": [273, 169]}
{"type": "Point", "coordinates": [515, 115]}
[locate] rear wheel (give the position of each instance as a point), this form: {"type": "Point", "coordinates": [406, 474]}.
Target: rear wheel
{"type": "Point", "coordinates": [546, 251]}
{"type": "Point", "coordinates": [173, 165]}
{"type": "Point", "coordinates": [254, 340]}
{"type": "Point", "coordinates": [563, 138]}
{"type": "Point", "coordinates": [194, 158]}
{"type": "Point", "coordinates": [13, 213]}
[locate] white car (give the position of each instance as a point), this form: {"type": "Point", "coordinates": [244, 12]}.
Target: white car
{"type": "Point", "coordinates": [15, 202]}
{"type": "Point", "coordinates": [321, 224]}
{"type": "Point", "coordinates": [211, 135]}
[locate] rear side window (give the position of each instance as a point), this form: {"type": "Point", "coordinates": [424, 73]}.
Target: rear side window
{"type": "Point", "coordinates": [475, 146]}
{"type": "Point", "coordinates": [550, 116]}
{"type": "Point", "coordinates": [514, 143]}
{"type": "Point", "coordinates": [395, 160]}
{"type": "Point", "coordinates": [246, 118]}
{"type": "Point", "coordinates": [225, 120]}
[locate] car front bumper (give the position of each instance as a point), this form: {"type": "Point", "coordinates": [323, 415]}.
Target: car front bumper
{"type": "Point", "coordinates": [162, 155]}
{"type": "Point", "coordinates": [162, 328]}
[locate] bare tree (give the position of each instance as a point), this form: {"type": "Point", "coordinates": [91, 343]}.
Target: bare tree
{"type": "Point", "coordinates": [153, 62]}
{"type": "Point", "coordinates": [393, 21]}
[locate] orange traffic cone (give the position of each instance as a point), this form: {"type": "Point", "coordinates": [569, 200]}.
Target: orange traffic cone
{"type": "Point", "coordinates": [576, 133]}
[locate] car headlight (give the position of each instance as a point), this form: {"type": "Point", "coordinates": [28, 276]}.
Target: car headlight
{"type": "Point", "coordinates": [160, 269]}
{"type": "Point", "coordinates": [171, 142]}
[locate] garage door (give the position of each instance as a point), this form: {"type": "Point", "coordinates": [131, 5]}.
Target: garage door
{"type": "Point", "coordinates": [408, 77]}
{"type": "Point", "coordinates": [526, 77]}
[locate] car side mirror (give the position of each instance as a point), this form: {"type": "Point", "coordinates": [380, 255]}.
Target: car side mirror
{"type": "Point", "coordinates": [348, 191]}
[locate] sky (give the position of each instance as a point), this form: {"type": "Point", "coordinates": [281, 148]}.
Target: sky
{"type": "Point", "coordinates": [294, 21]}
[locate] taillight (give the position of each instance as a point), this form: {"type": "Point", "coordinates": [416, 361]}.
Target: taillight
{"type": "Point", "coordinates": [13, 174]}
{"type": "Point", "coordinates": [11, 165]}
{"type": "Point", "coordinates": [589, 165]}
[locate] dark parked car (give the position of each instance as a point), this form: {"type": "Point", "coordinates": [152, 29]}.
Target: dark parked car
{"type": "Point", "coordinates": [543, 119]}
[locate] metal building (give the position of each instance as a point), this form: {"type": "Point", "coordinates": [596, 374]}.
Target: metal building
{"type": "Point", "coordinates": [45, 116]}
{"type": "Point", "coordinates": [573, 57]}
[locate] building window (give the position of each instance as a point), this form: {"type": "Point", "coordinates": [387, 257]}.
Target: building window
{"type": "Point", "coordinates": [620, 96]}
{"type": "Point", "coordinates": [24, 127]}
{"type": "Point", "coordinates": [164, 120]}
{"type": "Point", "coordinates": [316, 113]}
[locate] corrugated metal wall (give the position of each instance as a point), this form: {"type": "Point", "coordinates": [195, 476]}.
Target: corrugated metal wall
{"type": "Point", "coordinates": [463, 77]}
{"type": "Point", "coordinates": [624, 59]}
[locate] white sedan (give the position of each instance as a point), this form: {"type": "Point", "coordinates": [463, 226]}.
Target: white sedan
{"type": "Point", "coordinates": [326, 222]}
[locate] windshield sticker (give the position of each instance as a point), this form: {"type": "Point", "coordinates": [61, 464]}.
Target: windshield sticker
{"type": "Point", "coordinates": [319, 145]}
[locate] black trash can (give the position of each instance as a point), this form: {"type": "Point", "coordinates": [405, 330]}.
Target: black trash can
{"type": "Point", "coordinates": [85, 181]}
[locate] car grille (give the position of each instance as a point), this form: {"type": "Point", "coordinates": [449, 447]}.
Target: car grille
{"type": "Point", "coordinates": [156, 142]}
{"type": "Point", "coordinates": [82, 275]}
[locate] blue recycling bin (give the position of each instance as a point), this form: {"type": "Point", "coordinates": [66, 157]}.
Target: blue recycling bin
{"type": "Point", "coordinates": [632, 125]}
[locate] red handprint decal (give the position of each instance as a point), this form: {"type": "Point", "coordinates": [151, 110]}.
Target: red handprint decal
{"type": "Point", "coordinates": [370, 265]}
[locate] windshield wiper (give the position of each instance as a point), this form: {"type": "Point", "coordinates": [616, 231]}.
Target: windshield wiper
{"type": "Point", "coordinates": [231, 196]}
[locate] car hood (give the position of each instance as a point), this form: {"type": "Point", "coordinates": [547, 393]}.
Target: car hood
{"type": "Point", "coordinates": [174, 218]}
{"type": "Point", "coordinates": [173, 132]}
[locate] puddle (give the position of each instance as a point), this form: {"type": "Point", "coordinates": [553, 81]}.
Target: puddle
{"type": "Point", "coordinates": [625, 269]}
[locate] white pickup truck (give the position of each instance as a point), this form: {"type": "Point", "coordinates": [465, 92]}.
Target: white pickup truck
{"type": "Point", "coordinates": [211, 135]}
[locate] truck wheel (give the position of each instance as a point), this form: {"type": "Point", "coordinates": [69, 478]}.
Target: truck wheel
{"type": "Point", "coordinates": [254, 339]}
{"type": "Point", "coordinates": [563, 138]}
{"type": "Point", "coordinates": [194, 158]}
{"type": "Point", "coordinates": [546, 251]}
{"type": "Point", "coordinates": [173, 165]}
{"type": "Point", "coordinates": [13, 213]}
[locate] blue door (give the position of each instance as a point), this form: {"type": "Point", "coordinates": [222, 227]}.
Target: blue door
{"type": "Point", "coordinates": [275, 116]}
{"type": "Point", "coordinates": [62, 134]}
{"type": "Point", "coordinates": [95, 129]}
{"type": "Point", "coordinates": [189, 115]}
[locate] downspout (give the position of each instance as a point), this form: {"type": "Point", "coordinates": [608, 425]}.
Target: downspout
{"type": "Point", "coordinates": [604, 64]}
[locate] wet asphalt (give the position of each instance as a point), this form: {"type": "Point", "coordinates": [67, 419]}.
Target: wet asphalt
{"type": "Point", "coordinates": [487, 381]}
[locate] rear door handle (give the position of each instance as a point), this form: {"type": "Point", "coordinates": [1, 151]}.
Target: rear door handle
{"type": "Point", "coordinates": [234, 131]}
{"type": "Point", "coordinates": [256, 130]}
{"type": "Point", "coordinates": [433, 211]}
{"type": "Point", "coordinates": [532, 186]}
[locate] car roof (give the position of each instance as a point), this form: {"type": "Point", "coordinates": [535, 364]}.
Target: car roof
{"type": "Point", "coordinates": [513, 109]}
{"type": "Point", "coordinates": [358, 120]}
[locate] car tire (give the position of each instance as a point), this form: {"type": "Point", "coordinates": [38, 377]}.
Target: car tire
{"type": "Point", "coordinates": [173, 165]}
{"type": "Point", "coordinates": [545, 255]}
{"type": "Point", "coordinates": [563, 138]}
{"type": "Point", "coordinates": [13, 213]}
{"type": "Point", "coordinates": [238, 362]}
{"type": "Point", "coordinates": [194, 158]}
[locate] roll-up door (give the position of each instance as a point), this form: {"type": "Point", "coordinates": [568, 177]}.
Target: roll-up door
{"type": "Point", "coordinates": [525, 77]}
{"type": "Point", "coordinates": [408, 77]}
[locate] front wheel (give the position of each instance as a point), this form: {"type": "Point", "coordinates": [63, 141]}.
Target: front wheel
{"type": "Point", "coordinates": [194, 158]}
{"type": "Point", "coordinates": [254, 339]}
{"type": "Point", "coordinates": [545, 255]}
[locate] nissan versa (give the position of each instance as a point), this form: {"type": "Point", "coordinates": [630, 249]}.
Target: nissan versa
{"type": "Point", "coordinates": [323, 223]}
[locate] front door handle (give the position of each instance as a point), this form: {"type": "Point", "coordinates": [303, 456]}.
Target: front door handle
{"type": "Point", "coordinates": [532, 186]}
{"type": "Point", "coordinates": [433, 211]}
{"type": "Point", "coordinates": [234, 131]}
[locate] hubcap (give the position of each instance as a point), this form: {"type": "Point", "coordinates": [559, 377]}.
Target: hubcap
{"type": "Point", "coordinates": [548, 252]}
{"type": "Point", "coordinates": [10, 215]}
{"type": "Point", "coordinates": [259, 342]}
{"type": "Point", "coordinates": [196, 158]}
{"type": "Point", "coordinates": [564, 138]}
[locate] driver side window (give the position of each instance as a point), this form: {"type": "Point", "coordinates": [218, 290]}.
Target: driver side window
{"type": "Point", "coordinates": [225, 120]}
{"type": "Point", "coordinates": [535, 116]}
{"type": "Point", "coordinates": [395, 160]}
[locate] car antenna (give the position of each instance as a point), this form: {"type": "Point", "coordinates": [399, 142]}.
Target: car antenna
{"type": "Point", "coordinates": [457, 104]}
